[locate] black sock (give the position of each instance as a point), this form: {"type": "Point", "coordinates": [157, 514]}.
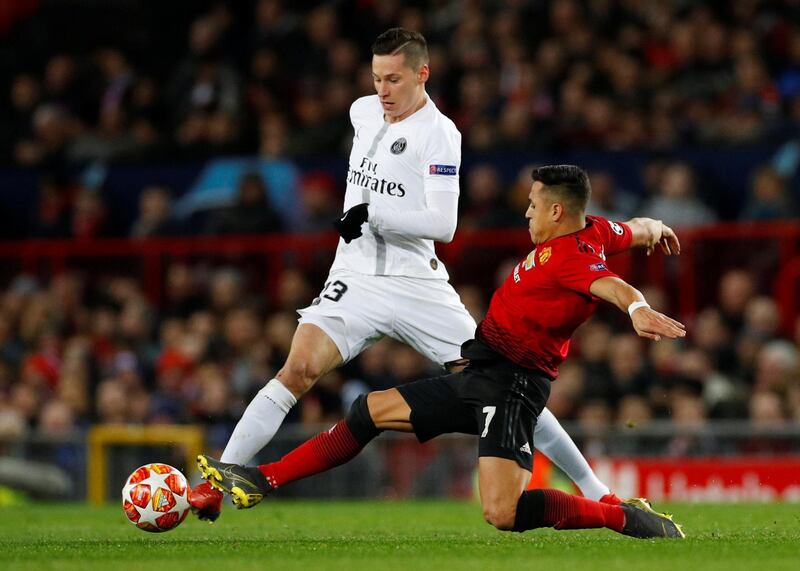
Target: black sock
{"type": "Point", "coordinates": [360, 422]}
{"type": "Point", "coordinates": [530, 511]}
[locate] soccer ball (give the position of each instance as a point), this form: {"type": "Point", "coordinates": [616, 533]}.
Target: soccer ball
{"type": "Point", "coordinates": [156, 497]}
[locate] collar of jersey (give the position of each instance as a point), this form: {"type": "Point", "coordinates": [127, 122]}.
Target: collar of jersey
{"type": "Point", "coordinates": [589, 222]}
{"type": "Point", "coordinates": [418, 112]}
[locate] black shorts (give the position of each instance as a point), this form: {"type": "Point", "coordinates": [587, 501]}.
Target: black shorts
{"type": "Point", "coordinates": [497, 400]}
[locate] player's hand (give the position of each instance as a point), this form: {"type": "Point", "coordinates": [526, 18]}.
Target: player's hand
{"type": "Point", "coordinates": [667, 240]}
{"type": "Point", "coordinates": [654, 325]}
{"type": "Point", "coordinates": [349, 225]}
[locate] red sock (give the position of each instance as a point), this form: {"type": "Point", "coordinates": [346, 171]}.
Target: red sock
{"type": "Point", "coordinates": [610, 498]}
{"type": "Point", "coordinates": [565, 511]}
{"type": "Point", "coordinates": [323, 452]}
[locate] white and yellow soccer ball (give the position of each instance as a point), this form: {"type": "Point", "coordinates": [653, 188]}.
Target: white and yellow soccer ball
{"type": "Point", "coordinates": [156, 497]}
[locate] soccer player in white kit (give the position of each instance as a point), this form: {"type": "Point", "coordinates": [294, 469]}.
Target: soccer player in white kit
{"type": "Point", "coordinates": [402, 195]}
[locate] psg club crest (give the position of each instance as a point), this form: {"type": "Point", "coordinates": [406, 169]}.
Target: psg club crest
{"type": "Point", "coordinates": [545, 254]}
{"type": "Point", "coordinates": [398, 146]}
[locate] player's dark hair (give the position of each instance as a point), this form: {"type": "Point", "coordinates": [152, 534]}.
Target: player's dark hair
{"type": "Point", "coordinates": [569, 182]}
{"type": "Point", "coordinates": [402, 41]}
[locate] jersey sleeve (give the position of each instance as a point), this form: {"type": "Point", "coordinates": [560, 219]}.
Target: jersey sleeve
{"type": "Point", "coordinates": [615, 236]}
{"type": "Point", "coordinates": [441, 159]}
{"type": "Point", "coordinates": [436, 222]}
{"type": "Point", "coordinates": [354, 112]}
{"type": "Point", "coordinates": [578, 270]}
{"type": "Point", "coordinates": [359, 110]}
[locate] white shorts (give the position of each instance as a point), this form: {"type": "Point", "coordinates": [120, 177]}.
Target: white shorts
{"type": "Point", "coordinates": [356, 310]}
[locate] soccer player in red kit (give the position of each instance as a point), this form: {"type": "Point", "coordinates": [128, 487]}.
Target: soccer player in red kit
{"type": "Point", "coordinates": [514, 357]}
{"type": "Point", "coordinates": [386, 281]}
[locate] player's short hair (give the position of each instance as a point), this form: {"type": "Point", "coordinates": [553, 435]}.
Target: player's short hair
{"type": "Point", "coordinates": [569, 183]}
{"type": "Point", "coordinates": [402, 41]}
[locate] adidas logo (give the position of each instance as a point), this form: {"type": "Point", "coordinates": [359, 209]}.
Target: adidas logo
{"type": "Point", "coordinates": [526, 448]}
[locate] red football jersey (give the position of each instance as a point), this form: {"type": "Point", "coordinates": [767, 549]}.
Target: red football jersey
{"type": "Point", "coordinates": [534, 313]}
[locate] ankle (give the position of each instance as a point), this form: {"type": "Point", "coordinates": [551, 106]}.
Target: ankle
{"type": "Point", "coordinates": [614, 516]}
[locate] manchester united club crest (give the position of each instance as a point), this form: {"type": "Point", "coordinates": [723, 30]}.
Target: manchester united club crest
{"type": "Point", "coordinates": [545, 254]}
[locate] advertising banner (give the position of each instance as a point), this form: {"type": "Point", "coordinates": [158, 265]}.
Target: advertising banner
{"type": "Point", "coordinates": [722, 479]}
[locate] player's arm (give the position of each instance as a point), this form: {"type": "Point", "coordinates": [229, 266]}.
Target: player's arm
{"type": "Point", "coordinates": [648, 233]}
{"type": "Point", "coordinates": [646, 321]}
{"type": "Point", "coordinates": [436, 222]}
{"type": "Point", "coordinates": [439, 163]}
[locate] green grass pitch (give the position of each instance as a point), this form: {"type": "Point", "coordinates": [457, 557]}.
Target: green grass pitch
{"type": "Point", "coordinates": [383, 536]}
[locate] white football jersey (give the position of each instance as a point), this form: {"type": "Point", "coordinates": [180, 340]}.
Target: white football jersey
{"type": "Point", "coordinates": [391, 167]}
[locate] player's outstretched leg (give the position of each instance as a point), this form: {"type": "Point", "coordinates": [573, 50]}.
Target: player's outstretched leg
{"type": "Point", "coordinates": [313, 353]}
{"type": "Point", "coordinates": [559, 510]}
{"type": "Point", "coordinates": [247, 486]}
{"type": "Point", "coordinates": [326, 450]}
{"type": "Point", "coordinates": [642, 521]}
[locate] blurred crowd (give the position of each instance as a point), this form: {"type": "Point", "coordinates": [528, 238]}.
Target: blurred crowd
{"type": "Point", "coordinates": [673, 193]}
{"type": "Point", "coordinates": [274, 80]}
{"type": "Point", "coordinates": [82, 211]}
{"type": "Point", "coordinates": [277, 78]}
{"type": "Point", "coordinates": [76, 351]}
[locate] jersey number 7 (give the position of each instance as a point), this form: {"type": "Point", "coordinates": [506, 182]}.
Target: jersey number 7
{"type": "Point", "coordinates": [489, 411]}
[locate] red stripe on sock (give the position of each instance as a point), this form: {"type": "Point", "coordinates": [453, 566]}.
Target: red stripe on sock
{"type": "Point", "coordinates": [565, 511]}
{"type": "Point", "coordinates": [322, 452]}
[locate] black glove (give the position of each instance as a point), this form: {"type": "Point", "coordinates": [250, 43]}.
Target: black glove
{"type": "Point", "coordinates": [349, 225]}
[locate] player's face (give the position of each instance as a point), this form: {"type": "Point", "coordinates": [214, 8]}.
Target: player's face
{"type": "Point", "coordinates": [539, 214]}
{"type": "Point", "coordinates": [399, 87]}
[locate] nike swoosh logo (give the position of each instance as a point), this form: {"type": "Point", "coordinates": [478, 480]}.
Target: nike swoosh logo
{"type": "Point", "coordinates": [237, 477]}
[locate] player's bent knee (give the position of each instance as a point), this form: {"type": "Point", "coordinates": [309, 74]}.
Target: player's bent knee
{"type": "Point", "coordinates": [298, 384]}
{"type": "Point", "coordinates": [299, 375]}
{"type": "Point", "coordinates": [500, 516]}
